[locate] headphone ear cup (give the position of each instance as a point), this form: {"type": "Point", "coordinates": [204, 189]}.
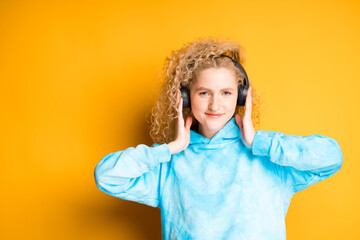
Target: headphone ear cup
{"type": "Point", "coordinates": [185, 94]}
{"type": "Point", "coordinates": [242, 95]}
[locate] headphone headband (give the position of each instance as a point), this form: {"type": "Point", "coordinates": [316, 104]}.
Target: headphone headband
{"type": "Point", "coordinates": [240, 67]}
{"type": "Point", "coordinates": [242, 89]}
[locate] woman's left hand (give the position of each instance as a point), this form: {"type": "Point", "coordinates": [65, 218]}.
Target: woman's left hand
{"type": "Point", "coordinates": [246, 126]}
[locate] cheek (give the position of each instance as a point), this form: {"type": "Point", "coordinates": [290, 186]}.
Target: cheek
{"type": "Point", "coordinates": [231, 104]}
{"type": "Point", "coordinates": [197, 102]}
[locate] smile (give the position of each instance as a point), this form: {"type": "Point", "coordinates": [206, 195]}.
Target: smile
{"type": "Point", "coordinates": [213, 115]}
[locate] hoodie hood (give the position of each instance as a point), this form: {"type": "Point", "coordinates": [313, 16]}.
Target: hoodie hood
{"type": "Point", "coordinates": [228, 133]}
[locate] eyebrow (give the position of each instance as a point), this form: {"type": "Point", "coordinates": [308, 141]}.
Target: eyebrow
{"type": "Point", "coordinates": [203, 88]}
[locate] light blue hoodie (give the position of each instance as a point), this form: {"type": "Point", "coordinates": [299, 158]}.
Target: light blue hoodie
{"type": "Point", "coordinates": [218, 188]}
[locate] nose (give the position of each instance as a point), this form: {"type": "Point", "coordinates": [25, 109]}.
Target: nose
{"type": "Point", "coordinates": [214, 103]}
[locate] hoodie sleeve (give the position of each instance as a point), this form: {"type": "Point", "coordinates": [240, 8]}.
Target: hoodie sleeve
{"type": "Point", "coordinates": [299, 161]}
{"type": "Point", "coordinates": [133, 174]}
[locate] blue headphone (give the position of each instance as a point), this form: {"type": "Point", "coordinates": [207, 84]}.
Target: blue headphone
{"type": "Point", "coordinates": [242, 89]}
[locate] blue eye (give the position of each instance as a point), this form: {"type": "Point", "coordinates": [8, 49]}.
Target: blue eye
{"type": "Point", "coordinates": [202, 93]}
{"type": "Point", "coordinates": [229, 93]}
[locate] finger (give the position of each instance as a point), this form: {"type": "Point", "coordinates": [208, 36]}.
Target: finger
{"type": "Point", "coordinates": [181, 106]}
{"type": "Point", "coordinates": [179, 103]}
{"type": "Point", "coordinates": [180, 117]}
{"type": "Point", "coordinates": [248, 103]}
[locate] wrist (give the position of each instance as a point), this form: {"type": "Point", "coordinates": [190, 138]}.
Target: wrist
{"type": "Point", "coordinates": [173, 146]}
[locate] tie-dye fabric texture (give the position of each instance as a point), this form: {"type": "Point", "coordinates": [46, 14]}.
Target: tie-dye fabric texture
{"type": "Point", "coordinates": [218, 188]}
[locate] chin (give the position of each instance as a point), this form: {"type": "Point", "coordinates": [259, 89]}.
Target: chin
{"type": "Point", "coordinates": [215, 124]}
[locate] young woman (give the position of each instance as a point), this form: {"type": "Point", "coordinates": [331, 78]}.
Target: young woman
{"type": "Point", "coordinates": [210, 173]}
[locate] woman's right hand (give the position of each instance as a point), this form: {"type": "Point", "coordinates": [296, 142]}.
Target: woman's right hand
{"type": "Point", "coordinates": [182, 133]}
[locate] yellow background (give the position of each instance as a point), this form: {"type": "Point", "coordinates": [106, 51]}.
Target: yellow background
{"type": "Point", "coordinates": [78, 77]}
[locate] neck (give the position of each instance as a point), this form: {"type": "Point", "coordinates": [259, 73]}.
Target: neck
{"type": "Point", "coordinates": [207, 134]}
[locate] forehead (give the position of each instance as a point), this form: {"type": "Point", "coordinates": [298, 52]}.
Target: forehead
{"type": "Point", "coordinates": [215, 78]}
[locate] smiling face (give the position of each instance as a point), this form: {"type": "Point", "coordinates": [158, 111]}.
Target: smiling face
{"type": "Point", "coordinates": [213, 98]}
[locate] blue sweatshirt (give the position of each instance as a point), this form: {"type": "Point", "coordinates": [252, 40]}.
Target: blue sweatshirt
{"type": "Point", "coordinates": [218, 188]}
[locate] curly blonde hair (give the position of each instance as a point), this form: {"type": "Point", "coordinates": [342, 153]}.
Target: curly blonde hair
{"type": "Point", "coordinates": [182, 67]}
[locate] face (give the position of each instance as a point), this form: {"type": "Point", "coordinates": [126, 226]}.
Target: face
{"type": "Point", "coordinates": [213, 98]}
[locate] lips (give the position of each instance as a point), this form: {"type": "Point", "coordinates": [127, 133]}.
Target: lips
{"type": "Point", "coordinates": [214, 114]}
